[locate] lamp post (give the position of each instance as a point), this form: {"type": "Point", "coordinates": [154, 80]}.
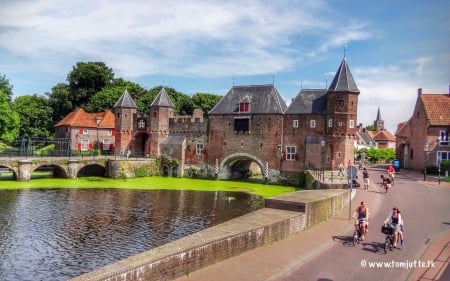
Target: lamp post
{"type": "Point", "coordinates": [425, 150]}
{"type": "Point", "coordinates": [322, 163]}
{"type": "Point", "coordinates": [439, 172]}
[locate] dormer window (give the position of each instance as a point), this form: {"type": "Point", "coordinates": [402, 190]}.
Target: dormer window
{"type": "Point", "coordinates": [244, 105]}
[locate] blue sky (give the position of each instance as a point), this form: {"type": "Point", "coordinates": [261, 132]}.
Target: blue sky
{"type": "Point", "coordinates": [392, 47]}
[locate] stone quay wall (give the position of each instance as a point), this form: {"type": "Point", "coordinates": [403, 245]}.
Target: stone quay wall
{"type": "Point", "coordinates": [256, 229]}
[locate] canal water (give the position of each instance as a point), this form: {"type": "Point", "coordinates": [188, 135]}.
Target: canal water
{"type": "Point", "coordinates": [57, 234]}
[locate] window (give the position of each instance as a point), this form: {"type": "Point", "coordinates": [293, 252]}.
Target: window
{"type": "Point", "coordinates": [443, 138]}
{"type": "Point", "coordinates": [199, 149]}
{"type": "Point", "coordinates": [84, 144]}
{"type": "Point", "coordinates": [295, 123]}
{"type": "Point", "coordinates": [260, 146]}
{"type": "Point", "coordinates": [110, 132]}
{"type": "Point", "coordinates": [330, 123]}
{"type": "Point", "coordinates": [291, 152]}
{"type": "Point", "coordinates": [443, 155]}
{"type": "Point", "coordinates": [85, 131]}
{"type": "Point", "coordinates": [244, 106]}
{"type": "Point", "coordinates": [242, 144]}
{"type": "Point", "coordinates": [106, 144]}
{"type": "Point", "coordinates": [351, 123]}
{"type": "Point", "coordinates": [242, 124]}
{"type": "Point", "coordinates": [340, 123]}
{"type": "Point", "coordinates": [312, 123]}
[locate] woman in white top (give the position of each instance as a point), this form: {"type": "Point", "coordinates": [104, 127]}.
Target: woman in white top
{"type": "Point", "coordinates": [396, 222]}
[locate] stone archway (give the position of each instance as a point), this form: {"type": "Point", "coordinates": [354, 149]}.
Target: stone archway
{"type": "Point", "coordinates": [239, 165]}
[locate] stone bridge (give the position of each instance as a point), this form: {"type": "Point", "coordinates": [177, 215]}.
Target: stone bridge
{"type": "Point", "coordinates": [22, 168]}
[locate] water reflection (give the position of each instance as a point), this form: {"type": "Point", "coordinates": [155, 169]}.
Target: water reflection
{"type": "Point", "coordinates": [61, 233]}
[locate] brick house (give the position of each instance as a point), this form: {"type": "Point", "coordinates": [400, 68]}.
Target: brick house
{"type": "Point", "coordinates": [88, 131]}
{"type": "Point", "coordinates": [251, 127]}
{"type": "Point", "coordinates": [430, 124]}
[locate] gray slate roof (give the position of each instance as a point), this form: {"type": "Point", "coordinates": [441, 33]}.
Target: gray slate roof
{"type": "Point", "coordinates": [343, 80]}
{"type": "Point", "coordinates": [173, 140]}
{"type": "Point", "coordinates": [366, 138]}
{"type": "Point", "coordinates": [309, 101]}
{"type": "Point", "coordinates": [125, 101]}
{"type": "Point", "coordinates": [162, 99]}
{"type": "Point", "coordinates": [262, 98]}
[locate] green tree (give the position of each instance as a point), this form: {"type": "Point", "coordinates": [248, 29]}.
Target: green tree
{"type": "Point", "coordinates": [35, 115]}
{"type": "Point", "coordinates": [371, 128]}
{"type": "Point", "coordinates": [86, 79]}
{"type": "Point", "coordinates": [107, 97]}
{"type": "Point", "coordinates": [59, 101]}
{"type": "Point", "coordinates": [9, 120]}
{"type": "Point", "coordinates": [182, 102]}
{"type": "Point", "coordinates": [6, 87]}
{"type": "Point", "coordinates": [205, 101]}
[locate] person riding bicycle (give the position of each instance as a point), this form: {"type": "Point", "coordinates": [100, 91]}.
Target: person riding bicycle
{"type": "Point", "coordinates": [391, 172]}
{"type": "Point", "coordinates": [361, 215]}
{"type": "Point", "coordinates": [385, 183]}
{"type": "Point", "coordinates": [395, 220]}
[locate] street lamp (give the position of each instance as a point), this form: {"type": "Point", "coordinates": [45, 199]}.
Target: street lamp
{"type": "Point", "coordinates": [322, 163]}
{"type": "Point", "coordinates": [425, 150]}
{"type": "Point", "coordinates": [439, 172]}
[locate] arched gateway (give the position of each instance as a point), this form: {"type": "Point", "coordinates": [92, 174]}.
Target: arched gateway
{"type": "Point", "coordinates": [238, 166]}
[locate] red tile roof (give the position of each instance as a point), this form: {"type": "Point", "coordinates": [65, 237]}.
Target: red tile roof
{"type": "Point", "coordinates": [80, 118]}
{"type": "Point", "coordinates": [384, 135]}
{"type": "Point", "coordinates": [437, 108]}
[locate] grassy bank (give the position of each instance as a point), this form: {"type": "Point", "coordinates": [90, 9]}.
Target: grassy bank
{"type": "Point", "coordinates": [149, 183]}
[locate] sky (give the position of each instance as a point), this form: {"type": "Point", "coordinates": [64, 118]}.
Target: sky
{"type": "Point", "coordinates": [392, 47]}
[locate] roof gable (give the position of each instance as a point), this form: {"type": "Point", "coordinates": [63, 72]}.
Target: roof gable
{"type": "Point", "coordinates": [80, 118]}
{"type": "Point", "coordinates": [262, 99]}
{"type": "Point", "coordinates": [309, 101]}
{"type": "Point", "coordinates": [437, 108]}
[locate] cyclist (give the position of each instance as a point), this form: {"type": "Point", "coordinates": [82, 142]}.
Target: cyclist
{"type": "Point", "coordinates": [391, 172]}
{"type": "Point", "coordinates": [395, 220]}
{"type": "Point", "coordinates": [361, 215]}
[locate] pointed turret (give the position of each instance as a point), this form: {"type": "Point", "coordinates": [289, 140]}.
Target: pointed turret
{"type": "Point", "coordinates": [378, 114]}
{"type": "Point", "coordinates": [162, 99]}
{"type": "Point", "coordinates": [343, 80]}
{"type": "Point", "coordinates": [125, 101]}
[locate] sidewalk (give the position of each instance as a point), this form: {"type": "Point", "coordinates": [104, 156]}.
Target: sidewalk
{"type": "Point", "coordinates": [271, 262]}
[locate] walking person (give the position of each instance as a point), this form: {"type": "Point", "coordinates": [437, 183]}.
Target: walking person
{"type": "Point", "coordinates": [341, 170]}
{"type": "Point", "coordinates": [366, 178]}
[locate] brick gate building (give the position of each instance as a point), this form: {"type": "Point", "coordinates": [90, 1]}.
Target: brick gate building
{"type": "Point", "coordinates": [250, 125]}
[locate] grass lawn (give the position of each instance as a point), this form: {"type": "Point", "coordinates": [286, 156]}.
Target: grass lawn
{"type": "Point", "coordinates": [264, 190]}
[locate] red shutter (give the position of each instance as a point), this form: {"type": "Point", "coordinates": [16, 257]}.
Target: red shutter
{"type": "Point", "coordinates": [193, 152]}
{"type": "Point", "coordinates": [296, 156]}
{"type": "Point", "coordinates": [79, 146]}
{"type": "Point", "coordinates": [90, 146]}
{"type": "Point", "coordinates": [81, 131]}
{"type": "Point", "coordinates": [204, 151]}
{"type": "Point", "coordinates": [101, 145]}
{"type": "Point", "coordinates": [111, 146]}
{"type": "Point", "coordinates": [283, 156]}
{"type": "Point", "coordinates": [113, 132]}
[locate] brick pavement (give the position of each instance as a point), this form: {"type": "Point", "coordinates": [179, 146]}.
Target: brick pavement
{"type": "Point", "coordinates": [271, 262]}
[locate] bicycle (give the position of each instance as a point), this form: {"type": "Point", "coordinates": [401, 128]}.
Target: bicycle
{"type": "Point", "coordinates": [389, 239]}
{"type": "Point", "coordinates": [357, 233]}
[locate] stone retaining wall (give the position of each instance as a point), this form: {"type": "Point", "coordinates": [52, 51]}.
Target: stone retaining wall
{"type": "Point", "coordinates": [223, 241]}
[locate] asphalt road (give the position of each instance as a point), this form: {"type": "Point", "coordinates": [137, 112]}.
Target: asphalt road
{"type": "Point", "coordinates": [426, 214]}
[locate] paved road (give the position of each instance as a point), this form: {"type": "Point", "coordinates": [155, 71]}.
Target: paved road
{"type": "Point", "coordinates": [323, 253]}
{"type": "Point", "coordinates": [426, 212]}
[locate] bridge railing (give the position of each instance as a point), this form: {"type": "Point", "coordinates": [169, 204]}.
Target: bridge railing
{"type": "Point", "coordinates": [92, 154]}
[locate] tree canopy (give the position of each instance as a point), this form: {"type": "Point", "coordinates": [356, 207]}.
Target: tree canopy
{"type": "Point", "coordinates": [35, 116]}
{"type": "Point", "coordinates": [9, 120]}
{"type": "Point", "coordinates": [86, 79]}
{"type": "Point", "coordinates": [6, 87]}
